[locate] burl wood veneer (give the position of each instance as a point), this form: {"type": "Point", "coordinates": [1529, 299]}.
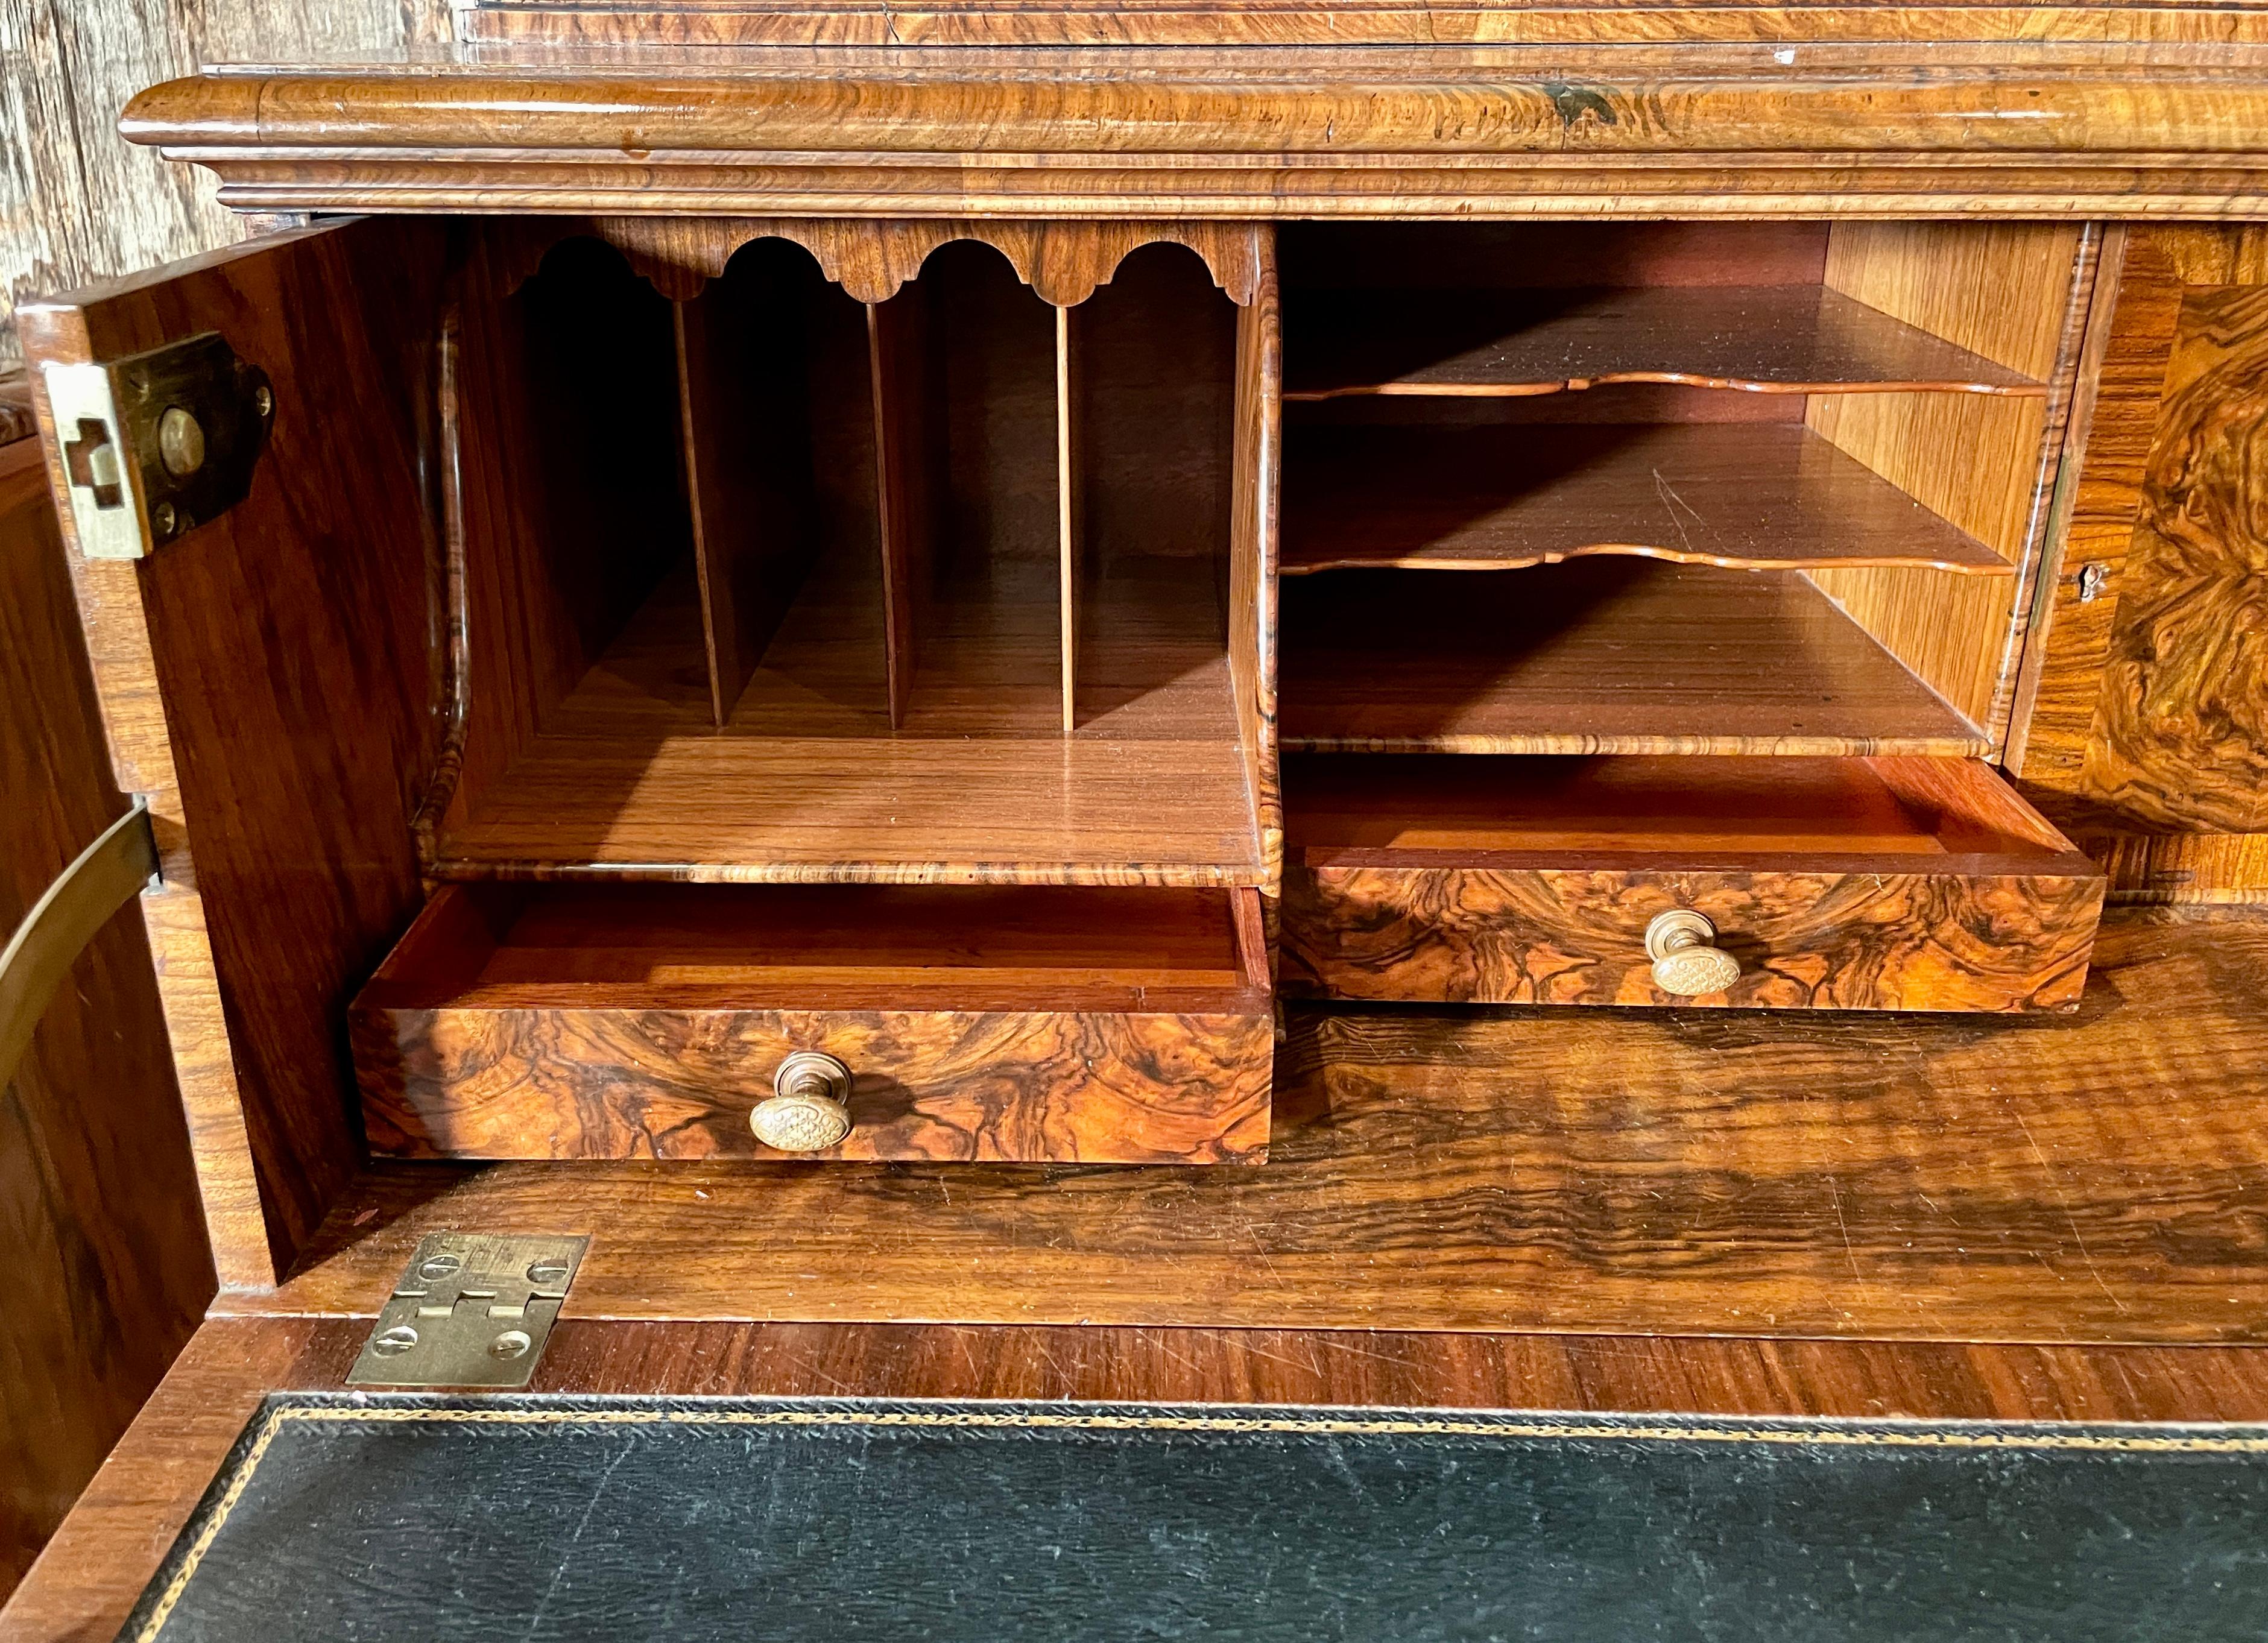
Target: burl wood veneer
{"type": "Point", "coordinates": [1836, 884]}
{"type": "Point", "coordinates": [1075, 1026]}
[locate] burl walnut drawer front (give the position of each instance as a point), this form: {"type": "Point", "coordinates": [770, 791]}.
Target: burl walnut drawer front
{"type": "Point", "coordinates": [1119, 1025]}
{"type": "Point", "coordinates": [1873, 884]}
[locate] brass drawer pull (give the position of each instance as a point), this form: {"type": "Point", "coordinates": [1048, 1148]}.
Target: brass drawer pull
{"type": "Point", "coordinates": [1686, 962]}
{"type": "Point", "coordinates": [808, 1110]}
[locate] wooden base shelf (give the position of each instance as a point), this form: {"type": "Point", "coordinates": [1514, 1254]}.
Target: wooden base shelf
{"type": "Point", "coordinates": [1597, 656]}
{"type": "Point", "coordinates": [1789, 339]}
{"type": "Point", "coordinates": [1742, 496]}
{"type": "Point", "coordinates": [808, 783]}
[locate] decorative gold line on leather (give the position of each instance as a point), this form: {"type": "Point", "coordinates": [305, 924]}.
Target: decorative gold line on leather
{"type": "Point", "coordinates": [1335, 1427]}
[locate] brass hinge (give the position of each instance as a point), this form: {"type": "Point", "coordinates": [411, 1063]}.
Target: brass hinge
{"type": "Point", "coordinates": [156, 443]}
{"type": "Point", "coordinates": [472, 1310]}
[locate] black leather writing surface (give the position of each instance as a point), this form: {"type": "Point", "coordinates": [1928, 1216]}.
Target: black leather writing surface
{"type": "Point", "coordinates": [354, 1519]}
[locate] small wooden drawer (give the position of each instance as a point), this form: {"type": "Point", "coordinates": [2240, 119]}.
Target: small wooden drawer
{"type": "Point", "coordinates": [1828, 883]}
{"type": "Point", "coordinates": [1074, 1025]}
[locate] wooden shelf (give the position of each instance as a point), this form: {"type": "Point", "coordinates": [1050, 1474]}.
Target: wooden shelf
{"type": "Point", "coordinates": [1596, 656]}
{"type": "Point", "coordinates": [806, 782]}
{"type": "Point", "coordinates": [1745, 496]}
{"type": "Point", "coordinates": [1779, 339]}
{"type": "Point", "coordinates": [1342, 810]}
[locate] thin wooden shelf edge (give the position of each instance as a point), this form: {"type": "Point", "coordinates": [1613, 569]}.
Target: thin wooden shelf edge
{"type": "Point", "coordinates": [1598, 656]}
{"type": "Point", "coordinates": [1737, 496]}
{"type": "Point", "coordinates": [1513, 344]}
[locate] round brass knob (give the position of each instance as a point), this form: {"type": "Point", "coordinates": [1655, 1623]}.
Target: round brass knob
{"type": "Point", "coordinates": [1686, 962]}
{"type": "Point", "coordinates": [808, 1110]}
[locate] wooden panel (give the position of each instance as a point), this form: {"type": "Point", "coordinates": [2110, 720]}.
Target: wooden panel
{"type": "Point", "coordinates": [743, 385]}
{"type": "Point", "coordinates": [905, 451]}
{"type": "Point", "coordinates": [1059, 23]}
{"type": "Point", "coordinates": [808, 783]}
{"type": "Point", "coordinates": [1070, 548]}
{"type": "Point", "coordinates": [1430, 261]}
{"type": "Point", "coordinates": [2143, 732]}
{"type": "Point", "coordinates": [1090, 1026]}
{"type": "Point", "coordinates": [571, 503]}
{"type": "Point", "coordinates": [1506, 497]}
{"type": "Point", "coordinates": [1761, 339]}
{"type": "Point", "coordinates": [1256, 475]}
{"type": "Point", "coordinates": [2181, 735]}
{"type": "Point", "coordinates": [1598, 656]}
{"type": "Point", "coordinates": [101, 1238]}
{"type": "Point", "coordinates": [269, 683]}
{"type": "Point", "coordinates": [2011, 292]}
{"type": "Point", "coordinates": [1307, 132]}
{"type": "Point", "coordinates": [1891, 884]}
{"type": "Point", "coordinates": [111, 1547]}
{"type": "Point", "coordinates": [2085, 1177]}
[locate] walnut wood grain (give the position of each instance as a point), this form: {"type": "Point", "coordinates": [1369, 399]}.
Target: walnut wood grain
{"type": "Point", "coordinates": [1300, 131]}
{"type": "Point", "coordinates": [582, 24]}
{"type": "Point", "coordinates": [1594, 656]}
{"type": "Point", "coordinates": [1255, 506]}
{"type": "Point", "coordinates": [2180, 737]}
{"type": "Point", "coordinates": [905, 446]}
{"type": "Point", "coordinates": [101, 1238]}
{"type": "Point", "coordinates": [1491, 344]}
{"type": "Point", "coordinates": [1529, 882]}
{"type": "Point", "coordinates": [1482, 498]}
{"type": "Point", "coordinates": [808, 783]}
{"type": "Point", "coordinates": [269, 681]}
{"type": "Point", "coordinates": [2016, 293]}
{"type": "Point", "coordinates": [2142, 737]}
{"type": "Point", "coordinates": [2094, 1176]}
{"type": "Point", "coordinates": [872, 259]}
{"type": "Point", "coordinates": [1064, 1025]}
{"type": "Point", "coordinates": [743, 372]}
{"type": "Point", "coordinates": [113, 1545]}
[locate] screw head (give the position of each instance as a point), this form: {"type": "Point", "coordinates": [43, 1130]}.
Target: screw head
{"type": "Point", "coordinates": [163, 518]}
{"type": "Point", "coordinates": [181, 442]}
{"type": "Point", "coordinates": [511, 1344]}
{"type": "Point", "coordinates": [548, 1272]}
{"type": "Point", "coordinates": [434, 1268]}
{"type": "Point", "coordinates": [394, 1342]}
{"type": "Point", "coordinates": [264, 400]}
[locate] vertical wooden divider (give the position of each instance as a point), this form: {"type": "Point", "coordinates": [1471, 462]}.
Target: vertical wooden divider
{"type": "Point", "coordinates": [1067, 508]}
{"type": "Point", "coordinates": [1257, 463]}
{"type": "Point", "coordinates": [744, 402]}
{"type": "Point", "coordinates": [896, 338]}
{"type": "Point", "coordinates": [730, 668]}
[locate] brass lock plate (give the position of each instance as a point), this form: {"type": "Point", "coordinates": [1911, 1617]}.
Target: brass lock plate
{"type": "Point", "coordinates": [472, 1310]}
{"type": "Point", "coordinates": [156, 443]}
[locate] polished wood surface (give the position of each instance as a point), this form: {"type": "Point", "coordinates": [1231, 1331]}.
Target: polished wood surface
{"type": "Point", "coordinates": [1255, 480]}
{"type": "Point", "coordinates": [101, 1242]}
{"type": "Point", "coordinates": [1729, 494]}
{"type": "Point", "coordinates": [1294, 131]}
{"type": "Point", "coordinates": [1080, 1026]}
{"type": "Point", "coordinates": [1596, 656]}
{"type": "Point", "coordinates": [2017, 294]}
{"type": "Point", "coordinates": [1762, 339]}
{"type": "Point", "coordinates": [585, 25]}
{"type": "Point", "coordinates": [2144, 732]}
{"type": "Point", "coordinates": [111, 1547]}
{"type": "Point", "coordinates": [808, 783]}
{"type": "Point", "coordinates": [2083, 1177]}
{"type": "Point", "coordinates": [269, 684]}
{"type": "Point", "coordinates": [1896, 884]}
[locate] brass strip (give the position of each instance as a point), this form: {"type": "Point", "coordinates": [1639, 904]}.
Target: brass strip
{"type": "Point", "coordinates": [108, 874]}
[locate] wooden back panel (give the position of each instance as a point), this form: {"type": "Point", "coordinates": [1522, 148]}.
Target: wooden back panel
{"type": "Point", "coordinates": [270, 682]}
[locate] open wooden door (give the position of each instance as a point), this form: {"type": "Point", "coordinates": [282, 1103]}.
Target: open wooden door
{"type": "Point", "coordinates": [268, 673]}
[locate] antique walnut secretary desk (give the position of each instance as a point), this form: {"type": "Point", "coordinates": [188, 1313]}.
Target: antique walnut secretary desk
{"type": "Point", "coordinates": [823, 644]}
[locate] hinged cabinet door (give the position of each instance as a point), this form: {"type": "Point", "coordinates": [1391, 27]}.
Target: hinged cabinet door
{"type": "Point", "coordinates": [266, 654]}
{"type": "Point", "coordinates": [2148, 738]}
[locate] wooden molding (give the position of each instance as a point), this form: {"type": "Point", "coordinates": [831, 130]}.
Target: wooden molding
{"type": "Point", "coordinates": [2050, 130]}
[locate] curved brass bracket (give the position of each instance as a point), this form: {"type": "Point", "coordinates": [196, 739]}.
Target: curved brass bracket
{"type": "Point", "coordinates": [108, 874]}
